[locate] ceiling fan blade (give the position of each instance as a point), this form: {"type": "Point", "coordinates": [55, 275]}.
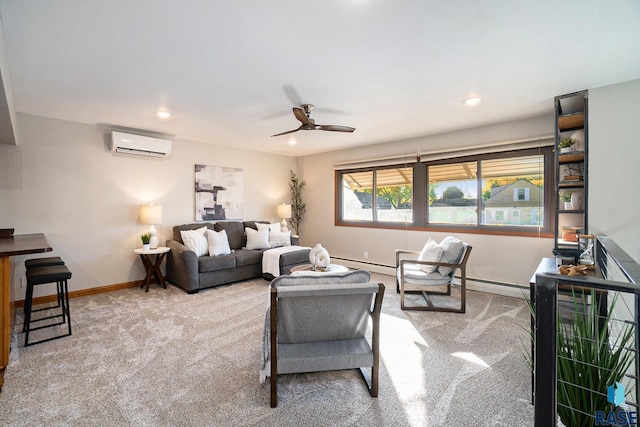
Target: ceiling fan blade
{"type": "Point", "coordinates": [289, 131]}
{"type": "Point", "coordinates": [335, 128]}
{"type": "Point", "coordinates": [301, 116]}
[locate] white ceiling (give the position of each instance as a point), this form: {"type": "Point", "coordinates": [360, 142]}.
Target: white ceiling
{"type": "Point", "coordinates": [230, 71]}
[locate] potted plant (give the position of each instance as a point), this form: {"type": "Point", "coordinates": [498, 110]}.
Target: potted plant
{"type": "Point", "coordinates": [298, 207]}
{"type": "Point", "coordinates": [566, 143]}
{"type": "Point", "coordinates": [589, 358]}
{"type": "Point", "coordinates": [566, 198]}
{"type": "Point", "coordinates": [146, 238]}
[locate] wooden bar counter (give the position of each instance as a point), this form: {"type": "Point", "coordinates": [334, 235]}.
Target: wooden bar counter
{"type": "Point", "coordinates": [21, 244]}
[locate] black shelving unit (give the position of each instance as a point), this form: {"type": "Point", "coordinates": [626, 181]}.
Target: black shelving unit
{"type": "Point", "coordinates": [571, 113]}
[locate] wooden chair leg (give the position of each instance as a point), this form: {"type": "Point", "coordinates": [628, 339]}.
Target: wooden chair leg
{"type": "Point", "coordinates": [274, 391]}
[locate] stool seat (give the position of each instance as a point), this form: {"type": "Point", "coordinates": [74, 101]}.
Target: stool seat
{"type": "Point", "coordinates": [58, 274]}
{"type": "Point", "coordinates": [49, 274]}
{"type": "Point", "coordinates": [43, 262]}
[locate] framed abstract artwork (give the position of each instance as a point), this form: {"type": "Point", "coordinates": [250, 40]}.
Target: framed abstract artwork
{"type": "Point", "coordinates": [219, 193]}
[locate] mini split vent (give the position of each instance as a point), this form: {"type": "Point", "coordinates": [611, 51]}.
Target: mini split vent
{"type": "Point", "coordinates": [140, 145]}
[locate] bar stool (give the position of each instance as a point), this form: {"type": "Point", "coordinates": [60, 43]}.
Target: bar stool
{"type": "Point", "coordinates": [59, 274]}
{"type": "Point", "coordinates": [46, 262]}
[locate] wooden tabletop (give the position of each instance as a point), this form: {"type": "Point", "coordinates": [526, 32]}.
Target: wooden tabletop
{"type": "Point", "coordinates": [23, 244]}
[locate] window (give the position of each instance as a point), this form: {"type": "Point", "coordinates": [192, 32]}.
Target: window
{"type": "Point", "coordinates": [378, 195]}
{"type": "Point", "coordinates": [502, 193]}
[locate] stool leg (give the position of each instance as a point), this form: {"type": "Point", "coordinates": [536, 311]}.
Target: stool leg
{"type": "Point", "coordinates": [60, 286]}
{"type": "Point", "coordinates": [66, 305]}
{"type": "Point", "coordinates": [27, 313]}
{"type": "Point", "coordinates": [27, 308]}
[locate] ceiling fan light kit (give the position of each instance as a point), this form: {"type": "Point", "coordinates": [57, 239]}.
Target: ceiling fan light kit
{"type": "Point", "coordinates": [303, 114]}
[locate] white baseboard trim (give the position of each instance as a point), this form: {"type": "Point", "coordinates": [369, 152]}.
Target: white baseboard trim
{"type": "Point", "coordinates": [492, 287]}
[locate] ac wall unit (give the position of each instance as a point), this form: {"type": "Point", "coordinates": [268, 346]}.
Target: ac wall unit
{"type": "Point", "coordinates": [141, 145]}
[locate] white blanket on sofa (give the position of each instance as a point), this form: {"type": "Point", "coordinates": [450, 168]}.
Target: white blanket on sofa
{"type": "Point", "coordinates": [271, 258]}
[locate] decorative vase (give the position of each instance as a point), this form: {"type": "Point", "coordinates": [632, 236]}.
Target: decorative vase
{"type": "Point", "coordinates": [146, 246]}
{"type": "Point", "coordinates": [312, 253]}
{"type": "Point", "coordinates": [568, 206]}
{"type": "Point", "coordinates": [322, 259]}
{"type": "Point", "coordinates": [577, 201]}
{"type": "Point", "coordinates": [319, 256]}
{"type": "Point", "coordinates": [579, 137]}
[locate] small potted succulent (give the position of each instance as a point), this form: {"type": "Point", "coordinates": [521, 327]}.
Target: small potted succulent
{"type": "Point", "coordinates": [145, 241]}
{"type": "Point", "coordinates": [566, 198]}
{"type": "Point", "coordinates": [566, 144]}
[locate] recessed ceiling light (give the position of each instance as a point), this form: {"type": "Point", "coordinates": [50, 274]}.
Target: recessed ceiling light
{"type": "Point", "coordinates": [474, 100]}
{"type": "Point", "coordinates": [163, 114]}
{"type": "Point", "coordinates": [292, 141]}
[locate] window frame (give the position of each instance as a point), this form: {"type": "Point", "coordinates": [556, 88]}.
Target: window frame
{"type": "Point", "coordinates": [421, 188]}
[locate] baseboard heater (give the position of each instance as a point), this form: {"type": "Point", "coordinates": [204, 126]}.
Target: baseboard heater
{"type": "Point", "coordinates": [469, 278]}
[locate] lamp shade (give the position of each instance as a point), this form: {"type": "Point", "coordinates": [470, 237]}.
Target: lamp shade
{"type": "Point", "coordinates": [284, 211]}
{"type": "Point", "coordinates": [151, 214]}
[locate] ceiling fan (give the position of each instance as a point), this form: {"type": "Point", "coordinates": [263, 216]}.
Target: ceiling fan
{"type": "Point", "coordinates": [303, 112]}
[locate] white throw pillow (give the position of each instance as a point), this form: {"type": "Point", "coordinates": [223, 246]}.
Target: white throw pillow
{"type": "Point", "coordinates": [432, 252]}
{"type": "Point", "coordinates": [257, 239]}
{"type": "Point", "coordinates": [277, 240]}
{"type": "Point", "coordinates": [218, 243]}
{"type": "Point", "coordinates": [452, 250]}
{"type": "Point", "coordinates": [273, 228]}
{"type": "Point", "coordinates": [196, 240]}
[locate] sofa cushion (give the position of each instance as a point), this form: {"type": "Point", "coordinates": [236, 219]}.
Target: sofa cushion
{"type": "Point", "coordinates": [178, 228]}
{"type": "Point", "coordinates": [235, 232]}
{"type": "Point", "coordinates": [296, 257]}
{"type": "Point", "coordinates": [257, 239]}
{"type": "Point", "coordinates": [196, 240]}
{"type": "Point", "coordinates": [357, 276]}
{"type": "Point", "coordinates": [215, 263]}
{"type": "Point", "coordinates": [218, 243]}
{"type": "Point", "coordinates": [247, 257]}
{"type": "Point", "coordinates": [273, 228]}
{"type": "Point", "coordinates": [453, 249]}
{"type": "Point", "coordinates": [431, 252]}
{"type": "Point", "coordinates": [252, 224]}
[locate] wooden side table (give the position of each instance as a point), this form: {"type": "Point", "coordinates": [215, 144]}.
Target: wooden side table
{"type": "Point", "coordinates": [151, 266]}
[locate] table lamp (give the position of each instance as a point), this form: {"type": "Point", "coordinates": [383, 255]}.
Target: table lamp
{"type": "Point", "coordinates": [284, 212]}
{"type": "Point", "coordinates": [151, 214]}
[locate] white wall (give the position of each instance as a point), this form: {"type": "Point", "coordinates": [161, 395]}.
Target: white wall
{"type": "Point", "coordinates": [496, 258]}
{"type": "Point", "coordinates": [614, 164]}
{"type": "Point", "coordinates": [61, 180]}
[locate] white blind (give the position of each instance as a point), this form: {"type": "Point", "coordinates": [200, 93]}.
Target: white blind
{"type": "Point", "coordinates": [542, 141]}
{"type": "Point", "coordinates": [367, 163]}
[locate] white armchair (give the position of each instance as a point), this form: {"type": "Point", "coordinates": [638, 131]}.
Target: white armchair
{"type": "Point", "coordinates": [431, 272]}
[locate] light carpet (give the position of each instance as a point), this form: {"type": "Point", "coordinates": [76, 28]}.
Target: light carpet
{"type": "Point", "coordinates": [166, 358]}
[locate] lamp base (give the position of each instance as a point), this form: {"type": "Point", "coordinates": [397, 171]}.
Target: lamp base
{"type": "Point", "coordinates": [283, 225]}
{"type": "Point", "coordinates": [153, 242]}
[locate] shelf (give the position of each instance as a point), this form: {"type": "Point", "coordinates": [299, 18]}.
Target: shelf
{"type": "Point", "coordinates": [571, 122]}
{"type": "Point", "coordinates": [571, 157]}
{"type": "Point", "coordinates": [571, 184]}
{"type": "Point", "coordinates": [567, 243]}
{"type": "Point", "coordinates": [572, 211]}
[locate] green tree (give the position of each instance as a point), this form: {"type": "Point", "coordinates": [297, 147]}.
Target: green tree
{"type": "Point", "coordinates": [399, 196]}
{"type": "Point", "coordinates": [432, 193]}
{"type": "Point", "coordinates": [453, 192]}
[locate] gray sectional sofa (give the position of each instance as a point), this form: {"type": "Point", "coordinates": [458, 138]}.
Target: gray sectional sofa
{"type": "Point", "coordinates": [192, 273]}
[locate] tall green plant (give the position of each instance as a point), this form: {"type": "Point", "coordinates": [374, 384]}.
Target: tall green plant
{"type": "Point", "coordinates": [298, 207]}
{"type": "Point", "coordinates": [588, 361]}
